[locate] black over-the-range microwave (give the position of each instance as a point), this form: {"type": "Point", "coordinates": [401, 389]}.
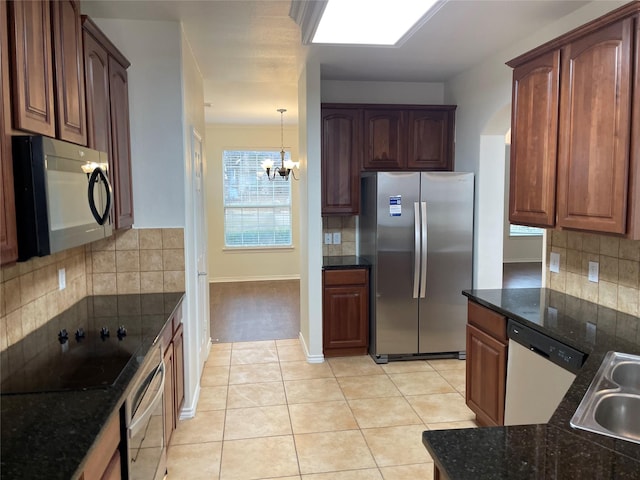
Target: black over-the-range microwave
{"type": "Point", "coordinates": [63, 195]}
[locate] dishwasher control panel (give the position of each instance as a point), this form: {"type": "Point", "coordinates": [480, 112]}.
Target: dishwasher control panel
{"type": "Point", "coordinates": [557, 352]}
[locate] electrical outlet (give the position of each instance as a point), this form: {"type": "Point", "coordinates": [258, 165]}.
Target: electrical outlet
{"type": "Point", "coordinates": [554, 262]}
{"type": "Point", "coordinates": [337, 238]}
{"type": "Point", "coordinates": [328, 239]}
{"type": "Point", "coordinates": [62, 279]}
{"type": "Point", "coordinates": [593, 271]}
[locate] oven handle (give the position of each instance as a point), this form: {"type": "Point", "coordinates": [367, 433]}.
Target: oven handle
{"type": "Point", "coordinates": [141, 421]}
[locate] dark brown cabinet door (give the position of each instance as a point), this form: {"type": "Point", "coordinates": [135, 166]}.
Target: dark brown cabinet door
{"type": "Point", "coordinates": [119, 101]}
{"type": "Point", "coordinates": [345, 312]}
{"type": "Point", "coordinates": [534, 139]}
{"type": "Point", "coordinates": [384, 140]}
{"type": "Point", "coordinates": [430, 139]}
{"type": "Point", "coordinates": [486, 376]}
{"type": "Point", "coordinates": [595, 118]}
{"type": "Point", "coordinates": [178, 352]}
{"type": "Point", "coordinates": [71, 119]}
{"type": "Point", "coordinates": [341, 154]}
{"type": "Point", "coordinates": [8, 239]}
{"type": "Point", "coordinates": [96, 62]}
{"type": "Point", "coordinates": [168, 400]}
{"type": "Point", "coordinates": [32, 67]}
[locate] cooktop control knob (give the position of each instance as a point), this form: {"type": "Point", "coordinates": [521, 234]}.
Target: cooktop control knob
{"type": "Point", "coordinates": [104, 333]}
{"type": "Point", "coordinates": [80, 334]}
{"type": "Point", "coordinates": [63, 336]}
{"type": "Point", "coordinates": [122, 332]}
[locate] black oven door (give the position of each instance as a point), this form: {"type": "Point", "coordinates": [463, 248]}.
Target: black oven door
{"type": "Point", "coordinates": [145, 423]}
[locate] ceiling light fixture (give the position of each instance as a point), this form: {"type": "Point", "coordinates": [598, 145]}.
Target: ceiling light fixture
{"type": "Point", "coordinates": [379, 22]}
{"type": "Point", "coordinates": [286, 166]}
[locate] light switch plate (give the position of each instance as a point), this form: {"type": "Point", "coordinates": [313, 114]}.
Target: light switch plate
{"type": "Point", "coordinates": [554, 262]}
{"type": "Point", "coordinates": [328, 239]}
{"type": "Point", "coordinates": [593, 271]}
{"type": "Point", "coordinates": [337, 238]}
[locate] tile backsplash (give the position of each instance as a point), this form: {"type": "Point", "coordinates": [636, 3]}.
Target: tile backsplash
{"type": "Point", "coordinates": [618, 285]}
{"type": "Point", "coordinates": [132, 261]}
{"type": "Point", "coordinates": [347, 228]}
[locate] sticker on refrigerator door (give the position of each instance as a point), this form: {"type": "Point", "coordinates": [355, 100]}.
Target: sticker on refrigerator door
{"type": "Point", "coordinates": [395, 205]}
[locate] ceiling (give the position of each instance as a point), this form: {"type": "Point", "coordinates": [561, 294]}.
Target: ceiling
{"type": "Point", "coordinates": [249, 51]}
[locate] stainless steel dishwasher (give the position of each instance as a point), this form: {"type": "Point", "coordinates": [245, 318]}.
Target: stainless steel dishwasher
{"type": "Point", "coordinates": [540, 370]}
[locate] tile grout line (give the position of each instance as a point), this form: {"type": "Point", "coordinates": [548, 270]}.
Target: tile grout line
{"type": "Point", "coordinates": [286, 399]}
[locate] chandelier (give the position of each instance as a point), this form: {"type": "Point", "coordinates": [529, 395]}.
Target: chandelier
{"type": "Point", "coordinates": [286, 166]}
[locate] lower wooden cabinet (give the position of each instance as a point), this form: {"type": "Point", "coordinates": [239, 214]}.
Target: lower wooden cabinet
{"type": "Point", "coordinates": [172, 339]}
{"type": "Point", "coordinates": [486, 373]}
{"type": "Point", "coordinates": [169, 411]}
{"type": "Point", "coordinates": [345, 312]}
{"type": "Point", "coordinates": [104, 461]}
{"type": "Point", "coordinates": [178, 374]}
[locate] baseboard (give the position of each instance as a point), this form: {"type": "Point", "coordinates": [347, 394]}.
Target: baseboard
{"type": "Point", "coordinates": [310, 358]}
{"type": "Point", "coordinates": [189, 411]}
{"type": "Point", "coordinates": [265, 278]}
{"type": "Point", "coordinates": [523, 260]}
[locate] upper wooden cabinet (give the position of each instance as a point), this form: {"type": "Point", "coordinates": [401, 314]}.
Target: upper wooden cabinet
{"type": "Point", "coordinates": [119, 99]}
{"type": "Point", "coordinates": [595, 129]}
{"type": "Point", "coordinates": [108, 114]}
{"type": "Point", "coordinates": [71, 117]}
{"type": "Point", "coordinates": [405, 137]}
{"type": "Point", "coordinates": [382, 137]}
{"type": "Point", "coordinates": [32, 67]}
{"type": "Point", "coordinates": [430, 138]}
{"type": "Point", "coordinates": [8, 239]}
{"type": "Point", "coordinates": [48, 96]}
{"type": "Point", "coordinates": [341, 150]}
{"type": "Point", "coordinates": [575, 112]}
{"type": "Point", "coordinates": [534, 139]}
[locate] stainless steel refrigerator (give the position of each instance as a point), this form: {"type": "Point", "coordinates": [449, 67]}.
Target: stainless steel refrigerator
{"type": "Point", "coordinates": [416, 229]}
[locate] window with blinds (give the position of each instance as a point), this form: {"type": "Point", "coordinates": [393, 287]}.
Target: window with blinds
{"type": "Point", "coordinates": [523, 231]}
{"type": "Point", "coordinates": [257, 212]}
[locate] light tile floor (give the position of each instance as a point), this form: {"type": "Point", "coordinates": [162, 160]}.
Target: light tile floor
{"type": "Point", "coordinates": [264, 412]}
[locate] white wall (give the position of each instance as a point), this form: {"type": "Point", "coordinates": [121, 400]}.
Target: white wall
{"type": "Point", "coordinates": [481, 93]}
{"type": "Point", "coordinates": [226, 265]}
{"type": "Point", "coordinates": [196, 318]}
{"type": "Point", "coordinates": [155, 105]}
{"type": "Point", "coordinates": [311, 220]}
{"type": "Point", "coordinates": [337, 91]}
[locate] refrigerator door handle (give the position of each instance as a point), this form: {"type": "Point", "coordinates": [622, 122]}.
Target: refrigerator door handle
{"type": "Point", "coordinates": [416, 249]}
{"type": "Point", "coordinates": [423, 250]}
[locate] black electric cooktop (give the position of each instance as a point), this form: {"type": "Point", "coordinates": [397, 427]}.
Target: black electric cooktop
{"type": "Point", "coordinates": [87, 346]}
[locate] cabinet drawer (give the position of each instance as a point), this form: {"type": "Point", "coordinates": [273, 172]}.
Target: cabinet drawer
{"type": "Point", "coordinates": [487, 320]}
{"type": "Point", "coordinates": [345, 277]}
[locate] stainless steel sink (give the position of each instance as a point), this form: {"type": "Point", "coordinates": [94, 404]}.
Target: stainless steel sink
{"type": "Point", "coordinates": [611, 405]}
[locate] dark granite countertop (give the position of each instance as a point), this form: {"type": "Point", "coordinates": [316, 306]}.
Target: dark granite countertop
{"type": "Point", "coordinates": [554, 450]}
{"type": "Point", "coordinates": [48, 435]}
{"type": "Point", "coordinates": [343, 262]}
